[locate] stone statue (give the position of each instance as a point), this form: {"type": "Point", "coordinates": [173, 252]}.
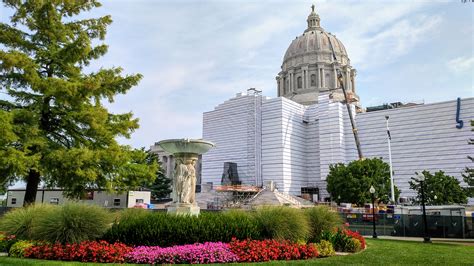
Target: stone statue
{"type": "Point", "coordinates": [184, 181]}
{"type": "Point", "coordinates": [179, 177]}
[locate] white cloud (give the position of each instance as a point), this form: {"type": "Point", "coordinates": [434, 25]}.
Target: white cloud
{"type": "Point", "coordinates": [462, 64]}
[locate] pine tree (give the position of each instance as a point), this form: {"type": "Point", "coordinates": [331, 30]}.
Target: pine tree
{"type": "Point", "coordinates": [58, 130]}
{"type": "Point", "coordinates": [161, 187]}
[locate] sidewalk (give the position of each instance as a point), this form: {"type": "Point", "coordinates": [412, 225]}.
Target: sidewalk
{"type": "Point", "coordinates": [462, 241]}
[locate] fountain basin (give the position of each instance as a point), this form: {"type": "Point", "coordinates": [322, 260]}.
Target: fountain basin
{"type": "Point", "coordinates": [195, 146]}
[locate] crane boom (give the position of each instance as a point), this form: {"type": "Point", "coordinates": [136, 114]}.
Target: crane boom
{"type": "Point", "coordinates": [349, 109]}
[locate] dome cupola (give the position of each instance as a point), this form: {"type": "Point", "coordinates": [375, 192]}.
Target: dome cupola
{"type": "Point", "coordinates": [309, 66]}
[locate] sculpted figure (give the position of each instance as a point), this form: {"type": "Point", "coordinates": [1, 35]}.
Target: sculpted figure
{"type": "Point", "coordinates": [191, 181]}
{"type": "Point", "coordinates": [179, 177]}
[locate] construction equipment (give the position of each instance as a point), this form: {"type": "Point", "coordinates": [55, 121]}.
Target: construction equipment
{"type": "Point", "coordinates": [349, 109]}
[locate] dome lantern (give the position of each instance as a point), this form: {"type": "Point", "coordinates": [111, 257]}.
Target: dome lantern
{"type": "Point", "coordinates": [313, 20]}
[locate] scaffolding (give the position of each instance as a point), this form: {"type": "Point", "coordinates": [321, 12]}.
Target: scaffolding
{"type": "Point", "coordinates": [234, 196]}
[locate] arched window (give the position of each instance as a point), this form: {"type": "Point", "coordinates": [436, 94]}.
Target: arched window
{"type": "Point", "coordinates": [299, 80]}
{"type": "Point", "coordinates": [313, 80]}
{"type": "Point", "coordinates": [328, 81]}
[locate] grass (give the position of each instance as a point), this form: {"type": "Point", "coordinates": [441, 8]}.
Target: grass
{"type": "Point", "coordinates": [379, 252]}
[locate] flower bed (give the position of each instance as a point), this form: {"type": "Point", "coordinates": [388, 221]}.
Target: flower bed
{"type": "Point", "coordinates": [87, 251]}
{"type": "Point", "coordinates": [266, 250]}
{"type": "Point", "coordinates": [210, 252]}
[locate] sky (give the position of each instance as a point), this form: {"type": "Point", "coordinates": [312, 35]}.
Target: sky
{"type": "Point", "coordinates": [194, 55]}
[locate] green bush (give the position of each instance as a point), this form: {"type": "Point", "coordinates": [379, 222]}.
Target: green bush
{"type": "Point", "coordinates": [20, 221]}
{"type": "Point", "coordinates": [17, 250]}
{"type": "Point", "coordinates": [160, 229]}
{"type": "Point", "coordinates": [353, 245]}
{"type": "Point", "coordinates": [325, 249]}
{"type": "Point", "coordinates": [72, 223]}
{"type": "Point", "coordinates": [322, 218]}
{"type": "Point", "coordinates": [283, 223]}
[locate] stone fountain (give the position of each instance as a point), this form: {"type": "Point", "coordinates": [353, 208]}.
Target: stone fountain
{"type": "Point", "coordinates": [186, 153]}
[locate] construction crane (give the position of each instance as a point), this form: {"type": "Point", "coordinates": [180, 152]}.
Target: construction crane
{"type": "Point", "coordinates": [349, 109]}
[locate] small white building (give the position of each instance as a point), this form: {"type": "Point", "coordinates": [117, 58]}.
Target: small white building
{"type": "Point", "coordinates": [127, 199]}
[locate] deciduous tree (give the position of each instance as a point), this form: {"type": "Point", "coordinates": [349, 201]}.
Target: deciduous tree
{"type": "Point", "coordinates": [439, 189]}
{"type": "Point", "coordinates": [351, 183]}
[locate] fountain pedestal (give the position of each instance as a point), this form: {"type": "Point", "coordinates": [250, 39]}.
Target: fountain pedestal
{"type": "Point", "coordinates": [186, 153]}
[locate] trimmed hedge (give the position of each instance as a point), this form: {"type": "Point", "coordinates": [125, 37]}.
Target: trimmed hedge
{"type": "Point", "coordinates": [164, 230]}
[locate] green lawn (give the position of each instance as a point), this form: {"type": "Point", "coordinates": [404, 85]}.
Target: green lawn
{"type": "Point", "coordinates": [379, 252]}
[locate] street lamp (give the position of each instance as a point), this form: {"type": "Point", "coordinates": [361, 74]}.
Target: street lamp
{"type": "Point", "coordinates": [372, 191]}
{"type": "Point", "coordinates": [421, 179]}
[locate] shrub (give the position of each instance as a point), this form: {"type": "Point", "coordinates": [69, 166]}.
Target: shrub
{"type": "Point", "coordinates": [357, 236]}
{"type": "Point", "coordinates": [198, 253]}
{"type": "Point", "coordinates": [87, 251]}
{"type": "Point", "coordinates": [341, 240]}
{"type": "Point", "coordinates": [321, 218]}
{"type": "Point", "coordinates": [18, 249]}
{"type": "Point", "coordinates": [266, 250]}
{"type": "Point", "coordinates": [72, 223]}
{"type": "Point", "coordinates": [353, 245]}
{"type": "Point", "coordinates": [325, 249]}
{"type": "Point", "coordinates": [161, 229]}
{"type": "Point", "coordinates": [282, 223]}
{"type": "Point", "coordinates": [19, 222]}
{"type": "Point", "coordinates": [6, 241]}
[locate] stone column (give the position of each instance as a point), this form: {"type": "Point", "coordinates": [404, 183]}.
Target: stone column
{"type": "Point", "coordinates": [318, 78]}
{"type": "Point", "coordinates": [323, 82]}
{"type": "Point", "coordinates": [278, 85]}
{"type": "Point", "coordinates": [335, 76]}
{"type": "Point", "coordinates": [291, 81]}
{"type": "Point", "coordinates": [305, 77]}
{"type": "Point", "coordinates": [348, 79]}
{"type": "Point", "coordinates": [354, 73]}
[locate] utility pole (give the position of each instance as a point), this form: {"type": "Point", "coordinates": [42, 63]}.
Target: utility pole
{"type": "Point", "coordinates": [392, 186]}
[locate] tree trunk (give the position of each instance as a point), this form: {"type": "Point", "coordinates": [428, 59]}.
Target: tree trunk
{"type": "Point", "coordinates": [32, 183]}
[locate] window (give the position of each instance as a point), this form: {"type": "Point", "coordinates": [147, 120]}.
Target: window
{"type": "Point", "coordinates": [299, 80]}
{"type": "Point", "coordinates": [54, 201]}
{"type": "Point", "coordinates": [313, 80]}
{"type": "Point", "coordinates": [139, 201]}
{"type": "Point", "coordinates": [13, 201]}
{"type": "Point", "coordinates": [116, 202]}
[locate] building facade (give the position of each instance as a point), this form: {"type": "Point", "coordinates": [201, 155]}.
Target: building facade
{"type": "Point", "coordinates": [127, 199]}
{"type": "Point", "coordinates": [293, 139]}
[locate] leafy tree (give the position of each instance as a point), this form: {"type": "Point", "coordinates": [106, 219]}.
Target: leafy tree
{"type": "Point", "coordinates": [58, 130]}
{"type": "Point", "coordinates": [350, 183]}
{"type": "Point", "coordinates": [468, 177]}
{"type": "Point", "coordinates": [439, 189]}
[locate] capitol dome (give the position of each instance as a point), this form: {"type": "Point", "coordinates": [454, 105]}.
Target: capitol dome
{"type": "Point", "coordinates": [309, 66]}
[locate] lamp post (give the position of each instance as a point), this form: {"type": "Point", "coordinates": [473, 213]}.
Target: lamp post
{"type": "Point", "coordinates": [372, 191]}
{"type": "Point", "coordinates": [421, 178]}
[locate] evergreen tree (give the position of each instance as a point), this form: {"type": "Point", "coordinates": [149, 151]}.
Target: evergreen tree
{"type": "Point", "coordinates": [161, 186]}
{"type": "Point", "coordinates": [439, 189]}
{"type": "Point", "coordinates": [57, 128]}
{"type": "Point", "coordinates": [351, 183]}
